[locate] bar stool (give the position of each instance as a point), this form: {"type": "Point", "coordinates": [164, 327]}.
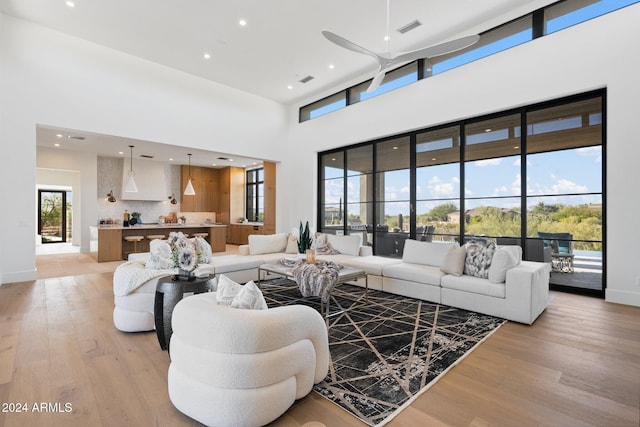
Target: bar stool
{"type": "Point", "coordinates": [135, 240]}
{"type": "Point", "coordinates": [203, 235]}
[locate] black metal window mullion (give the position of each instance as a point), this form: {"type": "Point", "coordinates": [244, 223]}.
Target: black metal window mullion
{"type": "Point", "coordinates": [523, 182]}
{"type": "Point", "coordinates": [463, 216]}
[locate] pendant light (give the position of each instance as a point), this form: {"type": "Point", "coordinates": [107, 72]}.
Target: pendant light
{"type": "Point", "coordinates": [172, 199]}
{"type": "Point", "coordinates": [110, 197]}
{"type": "Point", "coordinates": [189, 191]}
{"type": "Point", "coordinates": [131, 186]}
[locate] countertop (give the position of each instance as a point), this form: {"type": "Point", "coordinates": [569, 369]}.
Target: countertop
{"type": "Point", "coordinates": [157, 226]}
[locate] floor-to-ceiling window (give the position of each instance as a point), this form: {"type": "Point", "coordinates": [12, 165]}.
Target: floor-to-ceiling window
{"type": "Point", "coordinates": [532, 176]}
{"type": "Point", "coordinates": [438, 184]}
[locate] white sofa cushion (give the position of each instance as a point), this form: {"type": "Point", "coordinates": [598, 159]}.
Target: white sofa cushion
{"type": "Point", "coordinates": [267, 243]}
{"type": "Point", "coordinates": [372, 264]}
{"type": "Point", "coordinates": [474, 285]}
{"type": "Point", "coordinates": [348, 245]}
{"type": "Point", "coordinates": [425, 253]}
{"type": "Point", "coordinates": [453, 262]}
{"type": "Point", "coordinates": [504, 258]}
{"type": "Point", "coordinates": [421, 274]}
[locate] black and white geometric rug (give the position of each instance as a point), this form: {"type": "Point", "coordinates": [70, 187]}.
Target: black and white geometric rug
{"type": "Point", "coordinates": [386, 350]}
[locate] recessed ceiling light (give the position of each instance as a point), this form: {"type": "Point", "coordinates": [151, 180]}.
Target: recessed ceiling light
{"type": "Point", "coordinates": [231, 160]}
{"type": "Point", "coordinates": [331, 67]}
{"type": "Point", "coordinates": [242, 22]}
{"type": "Point", "coordinates": [206, 56]}
{"type": "Point", "coordinates": [488, 130]}
{"type": "Point", "coordinates": [395, 148]}
{"type": "Point", "coordinates": [171, 159]}
{"type": "Point", "coordinates": [289, 87]}
{"type": "Point", "coordinates": [59, 135]}
{"type": "Point", "coordinates": [387, 38]}
{"type": "Point", "coordinates": [56, 145]}
{"type": "Point", "coordinates": [120, 152]}
{"type": "Point", "coordinates": [70, 4]}
{"type": "Point", "coordinates": [213, 164]}
{"type": "Point", "coordinates": [516, 147]}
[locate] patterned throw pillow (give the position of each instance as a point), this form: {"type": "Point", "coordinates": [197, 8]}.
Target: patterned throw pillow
{"type": "Point", "coordinates": [227, 290]}
{"type": "Point", "coordinates": [478, 259]}
{"type": "Point", "coordinates": [249, 298]}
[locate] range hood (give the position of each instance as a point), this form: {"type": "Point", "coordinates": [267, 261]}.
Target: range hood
{"type": "Point", "coordinates": [150, 179]}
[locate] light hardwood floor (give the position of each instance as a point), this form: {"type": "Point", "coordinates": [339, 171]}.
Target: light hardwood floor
{"type": "Point", "coordinates": [578, 365]}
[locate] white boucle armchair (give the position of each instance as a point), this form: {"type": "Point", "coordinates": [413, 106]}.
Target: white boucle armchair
{"type": "Point", "coordinates": [235, 367]}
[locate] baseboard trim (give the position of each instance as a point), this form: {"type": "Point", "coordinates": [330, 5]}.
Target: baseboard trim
{"type": "Point", "coordinates": [19, 276]}
{"type": "Point", "coordinates": [622, 297]}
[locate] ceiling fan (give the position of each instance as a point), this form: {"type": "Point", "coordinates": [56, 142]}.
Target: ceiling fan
{"type": "Point", "coordinates": [387, 61]}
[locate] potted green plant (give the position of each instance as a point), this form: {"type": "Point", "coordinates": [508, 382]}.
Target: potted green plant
{"type": "Point", "coordinates": [183, 219]}
{"type": "Point", "coordinates": [135, 218]}
{"type": "Point", "coordinates": [304, 239]}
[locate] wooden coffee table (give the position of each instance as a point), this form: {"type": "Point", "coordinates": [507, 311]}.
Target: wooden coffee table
{"type": "Point", "coordinates": [346, 274]}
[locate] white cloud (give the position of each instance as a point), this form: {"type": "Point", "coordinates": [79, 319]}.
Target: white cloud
{"type": "Point", "coordinates": [488, 162]}
{"type": "Point", "coordinates": [595, 152]}
{"type": "Point", "coordinates": [566, 186]}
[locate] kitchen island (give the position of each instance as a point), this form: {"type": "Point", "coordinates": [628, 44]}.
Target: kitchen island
{"type": "Point", "coordinates": [112, 247]}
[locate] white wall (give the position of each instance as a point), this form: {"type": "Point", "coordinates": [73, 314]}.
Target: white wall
{"type": "Point", "coordinates": [48, 78]}
{"type": "Point", "coordinates": [596, 54]}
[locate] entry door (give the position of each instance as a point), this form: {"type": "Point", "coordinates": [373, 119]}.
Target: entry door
{"type": "Point", "coordinates": [52, 216]}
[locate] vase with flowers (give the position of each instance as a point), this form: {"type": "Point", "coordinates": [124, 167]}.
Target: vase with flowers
{"type": "Point", "coordinates": [186, 255]}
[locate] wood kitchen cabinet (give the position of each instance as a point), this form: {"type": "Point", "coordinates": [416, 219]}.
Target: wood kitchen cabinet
{"type": "Point", "coordinates": [239, 233]}
{"type": "Point", "coordinates": [109, 244]}
{"type": "Point", "coordinates": [205, 182]}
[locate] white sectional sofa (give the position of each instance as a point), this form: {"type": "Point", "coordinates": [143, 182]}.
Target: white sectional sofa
{"type": "Point", "coordinates": [517, 290]}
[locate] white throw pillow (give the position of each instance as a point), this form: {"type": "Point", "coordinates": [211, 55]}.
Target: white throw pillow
{"type": "Point", "coordinates": [319, 241]}
{"type": "Point", "coordinates": [348, 245]}
{"type": "Point", "coordinates": [453, 262]}
{"type": "Point", "coordinates": [227, 290]}
{"type": "Point", "coordinates": [267, 244]}
{"type": "Point", "coordinates": [160, 257]}
{"type": "Point", "coordinates": [292, 244]}
{"type": "Point", "coordinates": [249, 298]}
{"type": "Point", "coordinates": [204, 248]}
{"type": "Point", "coordinates": [503, 259]}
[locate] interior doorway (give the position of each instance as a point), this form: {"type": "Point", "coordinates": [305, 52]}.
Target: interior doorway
{"type": "Point", "coordinates": [54, 216]}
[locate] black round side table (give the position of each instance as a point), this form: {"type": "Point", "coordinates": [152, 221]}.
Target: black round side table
{"type": "Point", "coordinates": [169, 291]}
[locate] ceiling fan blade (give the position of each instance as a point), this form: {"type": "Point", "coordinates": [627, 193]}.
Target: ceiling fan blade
{"type": "Point", "coordinates": [342, 42]}
{"type": "Point", "coordinates": [376, 81]}
{"type": "Point", "coordinates": [437, 50]}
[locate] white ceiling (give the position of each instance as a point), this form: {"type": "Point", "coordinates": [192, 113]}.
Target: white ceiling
{"type": "Point", "coordinates": [281, 42]}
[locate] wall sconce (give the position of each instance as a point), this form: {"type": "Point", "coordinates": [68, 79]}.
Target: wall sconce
{"type": "Point", "coordinates": [110, 197]}
{"type": "Point", "coordinates": [173, 199]}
